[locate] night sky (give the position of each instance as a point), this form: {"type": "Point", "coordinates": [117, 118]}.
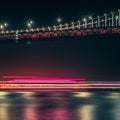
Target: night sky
{"type": "Point", "coordinates": [93, 57]}
{"type": "Point", "coordinates": [45, 12]}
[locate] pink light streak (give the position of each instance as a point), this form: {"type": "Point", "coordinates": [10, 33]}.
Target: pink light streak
{"type": "Point", "coordinates": [45, 80]}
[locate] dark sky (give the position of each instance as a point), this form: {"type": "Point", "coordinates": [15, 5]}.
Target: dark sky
{"type": "Point", "coordinates": [45, 12]}
{"type": "Point", "coordinates": [93, 58]}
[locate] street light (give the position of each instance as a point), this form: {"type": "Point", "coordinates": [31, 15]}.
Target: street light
{"type": "Point", "coordinates": [85, 20]}
{"type": "Point", "coordinates": [60, 26]}
{"type": "Point", "coordinates": [49, 28]}
{"type": "Point", "coordinates": [78, 24]}
{"type": "Point", "coordinates": [30, 23]}
{"type": "Point", "coordinates": [112, 19]}
{"type": "Point", "coordinates": [59, 20]}
{"type": "Point", "coordinates": [116, 18]}
{"type": "Point", "coordinates": [105, 20]}
{"type": "Point", "coordinates": [1, 27]}
{"type": "Point", "coordinates": [55, 28]}
{"type": "Point", "coordinates": [73, 25]}
{"type": "Point", "coordinates": [119, 17]}
{"type": "Point", "coordinates": [98, 21]}
{"type": "Point", "coordinates": [91, 20]}
{"type": "Point", "coordinates": [66, 26]}
{"type": "Point", "coordinates": [5, 24]}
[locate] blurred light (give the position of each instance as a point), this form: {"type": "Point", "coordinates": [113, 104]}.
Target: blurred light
{"type": "Point", "coordinates": [82, 94]}
{"type": "Point", "coordinates": [28, 42]}
{"type": "Point", "coordinates": [59, 20]}
{"type": "Point", "coordinates": [2, 27]}
{"type": "Point", "coordinates": [43, 28]}
{"type": "Point", "coordinates": [42, 80]}
{"type": "Point", "coordinates": [31, 22]}
{"type": "Point", "coordinates": [5, 24]}
{"type": "Point", "coordinates": [105, 14]}
{"type": "Point", "coordinates": [117, 17]}
{"type": "Point", "coordinates": [90, 17]}
{"type": "Point", "coordinates": [84, 20]}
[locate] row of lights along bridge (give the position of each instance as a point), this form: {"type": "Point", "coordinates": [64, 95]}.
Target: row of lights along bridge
{"type": "Point", "coordinates": [107, 20]}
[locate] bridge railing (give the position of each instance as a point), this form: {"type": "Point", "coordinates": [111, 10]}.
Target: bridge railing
{"type": "Point", "coordinates": [108, 22]}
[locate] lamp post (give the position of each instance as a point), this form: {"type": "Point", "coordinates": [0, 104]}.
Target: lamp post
{"type": "Point", "coordinates": [43, 29]}
{"type": "Point", "coordinates": [78, 24]}
{"type": "Point", "coordinates": [85, 20]}
{"type": "Point", "coordinates": [98, 21]}
{"type": "Point", "coordinates": [73, 25]}
{"type": "Point", "coordinates": [55, 28]}
{"type": "Point", "coordinates": [59, 20]}
{"type": "Point", "coordinates": [49, 28]}
{"type": "Point", "coordinates": [109, 22]}
{"type": "Point", "coordinates": [105, 20]}
{"type": "Point", "coordinates": [116, 20]}
{"type": "Point", "coordinates": [3, 26]}
{"type": "Point", "coordinates": [60, 27]}
{"type": "Point", "coordinates": [29, 24]}
{"type": "Point", "coordinates": [66, 26]}
{"type": "Point", "coordinates": [112, 19]}
{"type": "Point", "coordinates": [119, 17]}
{"type": "Point", "coordinates": [91, 21]}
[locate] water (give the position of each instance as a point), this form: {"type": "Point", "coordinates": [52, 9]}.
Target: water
{"type": "Point", "coordinates": [60, 106]}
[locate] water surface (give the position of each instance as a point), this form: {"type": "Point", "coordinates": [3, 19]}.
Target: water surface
{"type": "Point", "coordinates": [60, 106]}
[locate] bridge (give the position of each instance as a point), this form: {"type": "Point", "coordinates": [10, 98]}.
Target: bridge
{"type": "Point", "coordinates": [106, 24]}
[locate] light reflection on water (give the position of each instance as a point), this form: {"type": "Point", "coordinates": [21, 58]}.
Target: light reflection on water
{"type": "Point", "coordinates": [60, 106]}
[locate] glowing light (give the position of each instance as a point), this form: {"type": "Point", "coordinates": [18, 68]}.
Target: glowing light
{"type": "Point", "coordinates": [30, 23]}
{"type": "Point", "coordinates": [2, 27]}
{"type": "Point", "coordinates": [59, 20]}
{"type": "Point", "coordinates": [84, 20]}
{"type": "Point", "coordinates": [82, 94]}
{"type": "Point", "coordinates": [90, 17]}
{"type": "Point", "coordinates": [28, 42]}
{"type": "Point", "coordinates": [5, 24]}
{"type": "Point", "coordinates": [43, 28]}
{"type": "Point", "coordinates": [117, 17]}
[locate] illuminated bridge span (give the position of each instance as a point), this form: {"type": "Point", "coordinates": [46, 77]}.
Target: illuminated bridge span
{"type": "Point", "coordinates": [106, 24]}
